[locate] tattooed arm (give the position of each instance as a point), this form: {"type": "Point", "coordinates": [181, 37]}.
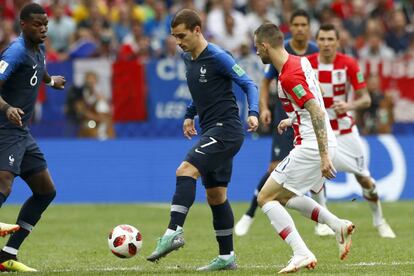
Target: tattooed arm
{"type": "Point", "coordinates": [319, 126]}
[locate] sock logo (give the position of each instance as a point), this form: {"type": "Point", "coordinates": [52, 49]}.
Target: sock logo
{"type": "Point", "coordinates": [11, 160]}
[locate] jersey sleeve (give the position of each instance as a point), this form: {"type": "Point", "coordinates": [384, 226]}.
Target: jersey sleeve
{"type": "Point", "coordinates": [228, 66]}
{"type": "Point", "coordinates": [356, 77]}
{"type": "Point", "coordinates": [270, 72]}
{"type": "Point", "coordinates": [191, 111]}
{"type": "Point", "coordinates": [298, 89]}
{"type": "Point", "coordinates": [10, 60]}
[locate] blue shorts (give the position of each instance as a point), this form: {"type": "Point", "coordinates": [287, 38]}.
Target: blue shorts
{"type": "Point", "coordinates": [20, 154]}
{"type": "Point", "coordinates": [213, 156]}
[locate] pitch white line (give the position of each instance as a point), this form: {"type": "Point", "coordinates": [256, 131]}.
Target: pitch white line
{"type": "Point", "coordinates": [140, 268]}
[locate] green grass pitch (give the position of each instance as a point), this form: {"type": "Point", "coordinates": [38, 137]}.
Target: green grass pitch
{"type": "Point", "coordinates": [72, 240]}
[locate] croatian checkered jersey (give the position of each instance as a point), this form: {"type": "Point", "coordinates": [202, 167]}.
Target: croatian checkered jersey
{"type": "Point", "coordinates": [336, 79]}
{"type": "Point", "coordinates": [297, 85]}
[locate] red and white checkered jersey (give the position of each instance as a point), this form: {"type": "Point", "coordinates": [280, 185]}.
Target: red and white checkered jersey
{"type": "Point", "coordinates": [297, 85]}
{"type": "Point", "coordinates": [336, 79]}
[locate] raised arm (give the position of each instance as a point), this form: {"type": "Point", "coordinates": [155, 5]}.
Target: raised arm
{"type": "Point", "coordinates": [319, 126]}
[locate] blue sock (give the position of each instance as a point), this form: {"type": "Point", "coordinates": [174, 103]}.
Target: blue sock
{"type": "Point", "coordinates": [183, 198]}
{"type": "Point", "coordinates": [29, 215]}
{"type": "Point", "coordinates": [223, 222]}
{"type": "Point", "coordinates": [253, 204]}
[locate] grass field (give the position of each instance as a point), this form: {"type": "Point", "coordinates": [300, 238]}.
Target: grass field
{"type": "Point", "coordinates": [72, 240]}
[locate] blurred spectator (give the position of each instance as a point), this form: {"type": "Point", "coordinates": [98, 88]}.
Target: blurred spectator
{"type": "Point", "coordinates": [135, 44]}
{"type": "Point", "coordinates": [249, 62]}
{"type": "Point", "coordinates": [129, 9]}
{"type": "Point", "coordinates": [7, 33]}
{"type": "Point", "coordinates": [378, 118]}
{"type": "Point", "coordinates": [227, 25]}
{"type": "Point", "coordinates": [342, 8]}
{"type": "Point", "coordinates": [158, 27]}
{"type": "Point", "coordinates": [61, 28]}
{"type": "Point", "coordinates": [346, 44]}
{"type": "Point", "coordinates": [375, 48]}
{"type": "Point", "coordinates": [355, 23]}
{"type": "Point", "coordinates": [397, 36]}
{"type": "Point", "coordinates": [260, 12]}
{"type": "Point", "coordinates": [84, 45]}
{"type": "Point", "coordinates": [408, 8]}
{"type": "Point", "coordinates": [170, 49]}
{"type": "Point", "coordinates": [82, 11]}
{"type": "Point", "coordinates": [122, 25]}
{"type": "Point", "coordinates": [90, 110]}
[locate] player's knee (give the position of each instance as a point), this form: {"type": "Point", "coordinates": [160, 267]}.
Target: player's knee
{"type": "Point", "coordinates": [215, 196]}
{"type": "Point", "coordinates": [263, 198]}
{"type": "Point", "coordinates": [6, 181]}
{"type": "Point", "coordinates": [186, 169]}
{"type": "Point", "coordinates": [365, 181]}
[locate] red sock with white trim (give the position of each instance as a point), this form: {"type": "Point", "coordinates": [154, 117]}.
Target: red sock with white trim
{"type": "Point", "coordinates": [311, 209]}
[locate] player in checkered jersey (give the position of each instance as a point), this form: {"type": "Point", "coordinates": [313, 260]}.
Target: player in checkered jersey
{"type": "Point", "coordinates": [298, 45]}
{"type": "Point", "coordinates": [337, 73]}
{"type": "Point", "coordinates": [309, 163]}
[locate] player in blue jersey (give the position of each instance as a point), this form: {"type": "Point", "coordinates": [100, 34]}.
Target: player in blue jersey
{"type": "Point", "coordinates": [210, 73]}
{"type": "Point", "coordinates": [282, 144]}
{"type": "Point", "coordinates": [22, 69]}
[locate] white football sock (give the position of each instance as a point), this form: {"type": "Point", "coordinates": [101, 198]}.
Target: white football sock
{"type": "Point", "coordinates": [311, 209]}
{"type": "Point", "coordinates": [285, 227]}
{"type": "Point", "coordinates": [226, 257]}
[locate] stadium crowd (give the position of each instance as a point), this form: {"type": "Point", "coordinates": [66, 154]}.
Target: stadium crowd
{"type": "Point", "coordinates": [140, 29]}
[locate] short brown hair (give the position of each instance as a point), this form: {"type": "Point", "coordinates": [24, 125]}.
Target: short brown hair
{"type": "Point", "coordinates": [189, 18]}
{"type": "Point", "coordinates": [270, 33]}
{"type": "Point", "coordinates": [327, 27]}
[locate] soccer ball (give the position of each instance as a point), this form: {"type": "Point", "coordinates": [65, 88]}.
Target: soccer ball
{"type": "Point", "coordinates": [125, 241]}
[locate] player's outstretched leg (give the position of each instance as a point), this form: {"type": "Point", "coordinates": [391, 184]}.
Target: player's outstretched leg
{"type": "Point", "coordinates": [371, 195]}
{"type": "Point", "coordinates": [6, 229]}
{"type": "Point", "coordinates": [320, 228]}
{"type": "Point", "coordinates": [284, 225]}
{"type": "Point", "coordinates": [173, 238]}
{"type": "Point", "coordinates": [311, 209]}
{"type": "Point", "coordinates": [243, 225]}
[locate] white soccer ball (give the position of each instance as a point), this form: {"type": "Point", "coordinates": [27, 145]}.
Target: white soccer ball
{"type": "Point", "coordinates": [125, 241]}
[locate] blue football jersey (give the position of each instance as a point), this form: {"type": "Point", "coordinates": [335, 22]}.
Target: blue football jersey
{"type": "Point", "coordinates": [22, 70]}
{"type": "Point", "coordinates": [210, 79]}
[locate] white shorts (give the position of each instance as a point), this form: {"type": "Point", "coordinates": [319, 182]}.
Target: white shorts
{"type": "Point", "coordinates": [349, 156]}
{"type": "Point", "coordinates": [300, 171]}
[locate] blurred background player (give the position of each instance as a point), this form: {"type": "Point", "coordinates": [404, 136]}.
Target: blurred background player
{"type": "Point", "coordinates": [299, 44]}
{"type": "Point", "coordinates": [309, 162]}
{"type": "Point", "coordinates": [22, 69]}
{"type": "Point", "coordinates": [210, 72]}
{"type": "Point", "coordinates": [336, 72]}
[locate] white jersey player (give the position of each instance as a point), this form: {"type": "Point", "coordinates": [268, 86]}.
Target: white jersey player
{"type": "Point", "coordinates": [309, 163]}
{"type": "Point", "coordinates": [337, 73]}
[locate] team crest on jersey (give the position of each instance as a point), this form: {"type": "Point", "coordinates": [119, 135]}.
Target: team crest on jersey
{"type": "Point", "coordinates": [3, 66]}
{"type": "Point", "coordinates": [203, 72]}
{"type": "Point", "coordinates": [338, 76]}
{"type": "Point", "coordinates": [299, 91]}
{"type": "Point", "coordinates": [238, 70]}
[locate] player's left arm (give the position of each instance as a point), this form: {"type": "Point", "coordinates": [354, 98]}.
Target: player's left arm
{"type": "Point", "coordinates": [57, 82]}
{"type": "Point", "coordinates": [230, 68]}
{"type": "Point", "coordinates": [356, 79]}
{"type": "Point", "coordinates": [319, 126]}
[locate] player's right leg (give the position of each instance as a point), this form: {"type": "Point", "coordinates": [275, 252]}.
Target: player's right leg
{"type": "Point", "coordinates": [284, 225]}
{"type": "Point", "coordinates": [183, 199]}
